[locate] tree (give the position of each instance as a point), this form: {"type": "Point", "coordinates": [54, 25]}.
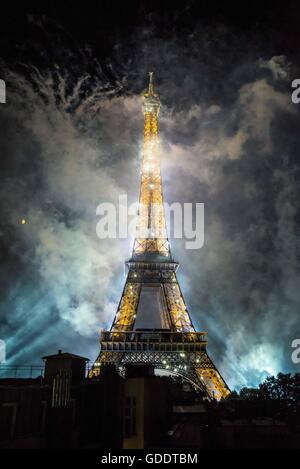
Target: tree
{"type": "Point", "coordinates": [250, 394]}
{"type": "Point", "coordinates": [285, 389]}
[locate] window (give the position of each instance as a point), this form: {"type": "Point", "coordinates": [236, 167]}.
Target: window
{"type": "Point", "coordinates": [130, 417]}
{"type": "Point", "coordinates": [8, 413]}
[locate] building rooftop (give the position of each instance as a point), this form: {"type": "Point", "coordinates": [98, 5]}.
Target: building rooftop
{"type": "Point", "coordinates": [61, 354]}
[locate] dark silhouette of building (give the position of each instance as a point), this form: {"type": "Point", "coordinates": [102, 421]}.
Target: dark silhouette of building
{"type": "Point", "coordinates": [65, 409]}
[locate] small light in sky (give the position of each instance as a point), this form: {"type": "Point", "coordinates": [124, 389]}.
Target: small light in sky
{"type": "Point", "coordinates": [23, 221]}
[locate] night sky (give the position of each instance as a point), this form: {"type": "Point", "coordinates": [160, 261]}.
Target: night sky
{"type": "Point", "coordinates": [71, 135]}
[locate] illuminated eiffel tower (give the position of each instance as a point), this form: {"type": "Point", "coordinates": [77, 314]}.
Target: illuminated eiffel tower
{"type": "Point", "coordinates": [152, 324]}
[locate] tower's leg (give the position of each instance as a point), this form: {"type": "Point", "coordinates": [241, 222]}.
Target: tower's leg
{"type": "Point", "coordinates": [213, 382]}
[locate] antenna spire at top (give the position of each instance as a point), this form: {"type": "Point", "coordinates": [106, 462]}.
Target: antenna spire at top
{"type": "Point", "coordinates": [151, 101]}
{"type": "Point", "coordinates": [151, 84]}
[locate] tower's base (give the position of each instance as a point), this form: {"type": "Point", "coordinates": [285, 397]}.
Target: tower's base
{"type": "Point", "coordinates": [181, 353]}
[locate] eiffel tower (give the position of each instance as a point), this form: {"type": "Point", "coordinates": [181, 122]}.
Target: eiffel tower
{"type": "Point", "coordinates": [152, 324]}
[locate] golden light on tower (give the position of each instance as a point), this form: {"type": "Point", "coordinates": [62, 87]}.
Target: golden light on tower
{"type": "Point", "coordinates": [151, 229]}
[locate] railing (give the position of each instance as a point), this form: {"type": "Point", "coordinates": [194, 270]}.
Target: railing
{"type": "Point", "coordinates": [155, 335]}
{"type": "Point", "coordinates": [21, 371]}
{"type": "Point", "coordinates": [27, 371]}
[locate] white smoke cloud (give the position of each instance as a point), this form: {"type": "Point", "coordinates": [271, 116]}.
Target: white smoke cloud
{"type": "Point", "coordinates": [278, 65]}
{"type": "Point", "coordinates": [59, 239]}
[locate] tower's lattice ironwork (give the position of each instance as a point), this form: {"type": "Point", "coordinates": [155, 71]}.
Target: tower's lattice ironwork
{"type": "Point", "coordinates": [152, 287]}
